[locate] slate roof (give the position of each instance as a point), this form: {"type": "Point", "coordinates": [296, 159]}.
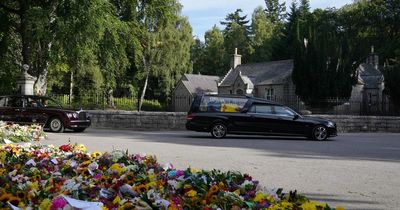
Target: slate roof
{"type": "Point", "coordinates": [274, 72]}
{"type": "Point", "coordinates": [196, 83]}
{"type": "Point", "coordinates": [369, 76]}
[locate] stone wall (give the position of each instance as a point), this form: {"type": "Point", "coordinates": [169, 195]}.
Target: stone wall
{"type": "Point", "coordinates": [349, 123]}
{"type": "Point", "coordinates": [176, 121]}
{"type": "Point", "coordinates": [138, 120]}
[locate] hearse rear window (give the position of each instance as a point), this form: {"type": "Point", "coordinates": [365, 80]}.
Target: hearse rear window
{"type": "Point", "coordinates": [221, 104]}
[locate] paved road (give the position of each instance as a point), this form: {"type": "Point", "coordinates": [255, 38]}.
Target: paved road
{"type": "Point", "coordinates": [357, 171]}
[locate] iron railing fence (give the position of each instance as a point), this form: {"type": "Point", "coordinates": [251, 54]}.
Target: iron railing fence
{"type": "Point", "coordinates": [340, 106]}
{"type": "Point", "coordinates": [333, 106]}
{"type": "Point", "coordinates": [99, 101]}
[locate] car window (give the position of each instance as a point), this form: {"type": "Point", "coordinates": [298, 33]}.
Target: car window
{"type": "Point", "coordinates": [221, 104]}
{"type": "Point", "coordinates": [283, 111]}
{"type": "Point", "coordinates": [261, 109]}
{"type": "Point", "coordinates": [34, 102]}
{"type": "Point", "coordinates": [15, 102]}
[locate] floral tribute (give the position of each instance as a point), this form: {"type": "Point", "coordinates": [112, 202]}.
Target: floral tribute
{"type": "Point", "coordinates": [48, 177]}
{"type": "Point", "coordinates": [13, 133]}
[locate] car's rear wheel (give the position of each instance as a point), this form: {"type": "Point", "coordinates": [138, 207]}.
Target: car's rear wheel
{"type": "Point", "coordinates": [319, 133]}
{"type": "Point", "coordinates": [218, 130]}
{"type": "Point", "coordinates": [56, 125]}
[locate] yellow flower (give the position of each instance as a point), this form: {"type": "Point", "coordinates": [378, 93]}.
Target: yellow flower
{"type": "Point", "coordinates": [194, 170]}
{"type": "Point", "coordinates": [237, 192]}
{"type": "Point", "coordinates": [260, 197]}
{"type": "Point", "coordinates": [191, 193]}
{"type": "Point", "coordinates": [2, 170]}
{"type": "Point", "coordinates": [117, 168]}
{"type": "Point", "coordinates": [81, 147]}
{"type": "Point", "coordinates": [33, 185]}
{"type": "Point", "coordinates": [339, 208]}
{"type": "Point", "coordinates": [150, 184]}
{"type": "Point", "coordinates": [95, 154]}
{"type": "Point", "coordinates": [312, 205]}
{"type": "Point", "coordinates": [45, 205]}
{"type": "Point", "coordinates": [117, 200]}
{"type": "Point", "coordinates": [3, 156]}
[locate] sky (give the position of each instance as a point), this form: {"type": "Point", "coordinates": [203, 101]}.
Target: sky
{"type": "Point", "coordinates": [204, 14]}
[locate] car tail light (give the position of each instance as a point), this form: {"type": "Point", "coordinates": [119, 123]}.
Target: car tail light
{"type": "Point", "coordinates": [190, 117]}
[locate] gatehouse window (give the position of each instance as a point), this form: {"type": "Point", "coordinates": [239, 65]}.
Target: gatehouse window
{"type": "Point", "coordinates": [269, 93]}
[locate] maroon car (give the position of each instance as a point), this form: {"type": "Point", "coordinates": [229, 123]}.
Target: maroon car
{"type": "Point", "coordinates": [41, 110]}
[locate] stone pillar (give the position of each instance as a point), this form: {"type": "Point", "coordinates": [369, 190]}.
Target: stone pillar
{"type": "Point", "coordinates": [25, 82]}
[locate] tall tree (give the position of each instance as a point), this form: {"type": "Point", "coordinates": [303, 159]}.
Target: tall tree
{"type": "Point", "coordinates": [153, 16]}
{"type": "Point", "coordinates": [215, 63]}
{"type": "Point", "coordinates": [263, 32]}
{"type": "Point", "coordinates": [9, 57]}
{"type": "Point", "coordinates": [174, 59]}
{"type": "Point", "coordinates": [33, 22]}
{"type": "Point", "coordinates": [197, 56]}
{"type": "Point", "coordinates": [323, 67]}
{"type": "Point", "coordinates": [237, 35]}
{"type": "Point", "coordinates": [275, 11]}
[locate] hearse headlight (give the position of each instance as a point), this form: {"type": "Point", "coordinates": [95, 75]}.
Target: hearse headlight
{"type": "Point", "coordinates": [330, 124]}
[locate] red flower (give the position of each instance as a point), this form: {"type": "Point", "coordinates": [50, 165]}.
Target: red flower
{"type": "Point", "coordinates": [66, 148]}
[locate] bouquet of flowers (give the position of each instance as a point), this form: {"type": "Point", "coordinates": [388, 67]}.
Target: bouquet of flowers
{"type": "Point", "coordinates": [66, 177]}
{"type": "Point", "coordinates": [13, 133]}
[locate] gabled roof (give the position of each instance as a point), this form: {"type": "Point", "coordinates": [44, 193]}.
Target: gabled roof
{"type": "Point", "coordinates": [196, 83]}
{"type": "Point", "coordinates": [274, 72]}
{"type": "Point", "coordinates": [369, 76]}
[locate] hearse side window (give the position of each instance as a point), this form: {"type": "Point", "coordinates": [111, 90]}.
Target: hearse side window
{"type": "Point", "coordinates": [261, 109]}
{"type": "Point", "coordinates": [221, 104]}
{"type": "Point", "coordinates": [282, 111]}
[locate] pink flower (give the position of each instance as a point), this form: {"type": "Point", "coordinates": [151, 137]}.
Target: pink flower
{"type": "Point", "coordinates": [58, 203]}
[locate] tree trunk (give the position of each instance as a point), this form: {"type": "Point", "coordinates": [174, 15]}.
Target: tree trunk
{"type": "Point", "coordinates": [71, 88]}
{"type": "Point", "coordinates": [147, 68]}
{"type": "Point", "coordinates": [24, 37]}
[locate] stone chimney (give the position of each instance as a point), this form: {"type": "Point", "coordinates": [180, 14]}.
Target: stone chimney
{"type": "Point", "coordinates": [373, 58]}
{"type": "Point", "coordinates": [236, 60]}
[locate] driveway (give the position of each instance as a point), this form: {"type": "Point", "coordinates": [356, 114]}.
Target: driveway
{"type": "Point", "coordinates": [357, 170]}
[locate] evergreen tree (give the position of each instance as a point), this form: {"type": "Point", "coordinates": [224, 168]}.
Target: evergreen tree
{"type": "Point", "coordinates": [237, 35]}
{"type": "Point", "coordinates": [197, 56]}
{"type": "Point", "coordinates": [275, 11]}
{"type": "Point", "coordinates": [322, 66]}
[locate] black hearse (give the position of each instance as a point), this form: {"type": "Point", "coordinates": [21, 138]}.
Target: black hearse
{"type": "Point", "coordinates": [230, 114]}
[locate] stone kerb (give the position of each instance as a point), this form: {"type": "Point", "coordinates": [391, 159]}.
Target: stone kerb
{"type": "Point", "coordinates": [148, 121]}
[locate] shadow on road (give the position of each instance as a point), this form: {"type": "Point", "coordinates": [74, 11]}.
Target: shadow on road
{"type": "Point", "coordinates": [357, 146]}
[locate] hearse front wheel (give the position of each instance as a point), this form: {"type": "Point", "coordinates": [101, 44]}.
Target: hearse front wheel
{"type": "Point", "coordinates": [218, 130]}
{"type": "Point", "coordinates": [319, 133]}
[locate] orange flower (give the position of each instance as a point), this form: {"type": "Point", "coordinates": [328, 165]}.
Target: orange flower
{"type": "Point", "coordinates": [140, 188]}
{"type": "Point", "coordinates": [14, 200]}
{"type": "Point", "coordinates": [214, 189]}
{"type": "Point", "coordinates": [5, 197]}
